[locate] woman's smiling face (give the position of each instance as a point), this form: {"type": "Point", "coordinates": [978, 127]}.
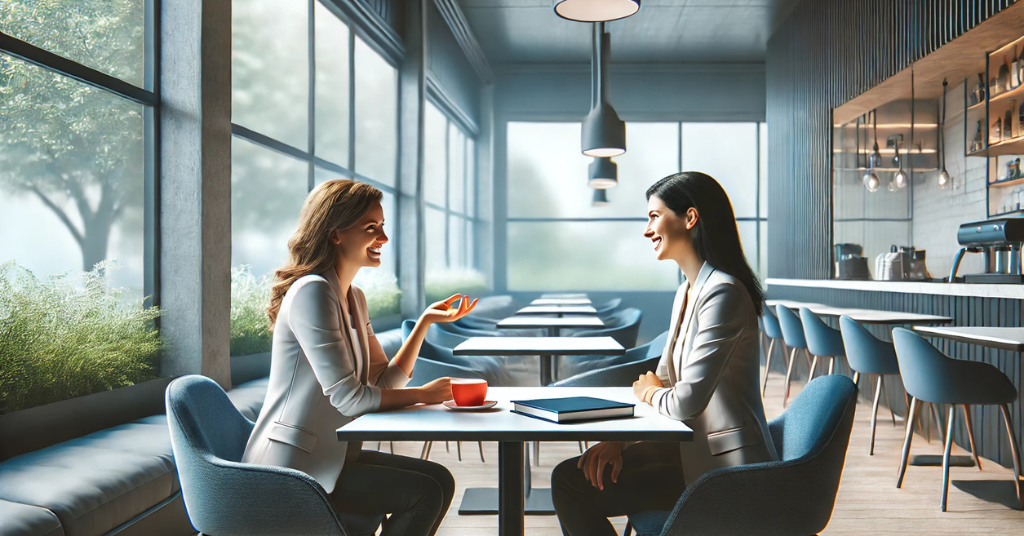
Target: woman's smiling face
{"type": "Point", "coordinates": [360, 244]}
{"type": "Point", "coordinates": [666, 230]}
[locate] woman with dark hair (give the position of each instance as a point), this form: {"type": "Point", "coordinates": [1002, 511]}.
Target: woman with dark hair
{"type": "Point", "coordinates": [707, 376]}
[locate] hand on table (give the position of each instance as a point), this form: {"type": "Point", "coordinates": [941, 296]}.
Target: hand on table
{"type": "Point", "coordinates": [449, 310]}
{"type": "Point", "coordinates": [436, 391]}
{"type": "Point", "coordinates": [645, 385]}
{"type": "Point", "coordinates": [592, 462]}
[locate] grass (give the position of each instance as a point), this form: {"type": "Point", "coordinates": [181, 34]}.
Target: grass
{"type": "Point", "coordinates": [70, 335]}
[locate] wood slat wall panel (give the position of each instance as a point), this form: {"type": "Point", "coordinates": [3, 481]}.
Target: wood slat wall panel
{"type": "Point", "coordinates": [990, 431]}
{"type": "Point", "coordinates": [816, 61]}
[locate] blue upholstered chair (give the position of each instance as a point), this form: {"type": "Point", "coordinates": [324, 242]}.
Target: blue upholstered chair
{"type": "Point", "coordinates": [930, 376]}
{"type": "Point", "coordinates": [868, 355]}
{"type": "Point", "coordinates": [793, 336]}
{"type": "Point", "coordinates": [822, 341]}
{"type": "Point", "coordinates": [224, 496]}
{"type": "Point", "coordinates": [623, 326]}
{"type": "Point", "coordinates": [622, 375]}
{"type": "Point", "coordinates": [771, 329]}
{"type": "Point", "coordinates": [608, 307]}
{"type": "Point", "coordinates": [794, 495]}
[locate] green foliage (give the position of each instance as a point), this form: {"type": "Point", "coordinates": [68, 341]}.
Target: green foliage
{"type": "Point", "coordinates": [70, 335]}
{"type": "Point", "coordinates": [250, 296]}
{"type": "Point", "coordinates": [250, 325]}
{"type": "Point", "coordinates": [441, 284]}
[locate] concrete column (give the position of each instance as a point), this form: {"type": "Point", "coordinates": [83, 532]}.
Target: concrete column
{"type": "Point", "coordinates": [195, 188]}
{"type": "Point", "coordinates": [412, 94]}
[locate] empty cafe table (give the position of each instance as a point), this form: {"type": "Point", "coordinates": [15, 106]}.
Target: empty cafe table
{"type": "Point", "coordinates": [1001, 338]}
{"type": "Point", "coordinates": [561, 301]}
{"type": "Point", "coordinates": [545, 347]}
{"type": "Point", "coordinates": [559, 310]}
{"type": "Point", "coordinates": [864, 316]}
{"type": "Point", "coordinates": [510, 430]}
{"type": "Point", "coordinates": [564, 295]}
{"type": "Point", "coordinates": [550, 323]}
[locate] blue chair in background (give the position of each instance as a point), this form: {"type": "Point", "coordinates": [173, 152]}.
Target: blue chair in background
{"type": "Point", "coordinates": [822, 341]}
{"type": "Point", "coordinates": [794, 495]}
{"type": "Point", "coordinates": [608, 307]}
{"type": "Point", "coordinates": [771, 329]}
{"type": "Point", "coordinates": [623, 326]}
{"type": "Point", "coordinates": [793, 336]}
{"type": "Point", "coordinates": [577, 365]}
{"type": "Point", "coordinates": [868, 355]}
{"type": "Point", "coordinates": [931, 376]}
{"type": "Point", "coordinates": [622, 375]}
{"type": "Point", "coordinates": [224, 496]}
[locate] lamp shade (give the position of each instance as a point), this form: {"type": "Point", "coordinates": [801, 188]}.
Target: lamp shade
{"type": "Point", "coordinates": [604, 134]}
{"type": "Point", "coordinates": [600, 198]}
{"type": "Point", "coordinates": [595, 10]}
{"type": "Point", "coordinates": [603, 174]}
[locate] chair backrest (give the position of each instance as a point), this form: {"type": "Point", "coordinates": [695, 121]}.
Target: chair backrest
{"type": "Point", "coordinates": [771, 324]}
{"type": "Point", "coordinates": [224, 496]}
{"type": "Point", "coordinates": [792, 328]}
{"type": "Point", "coordinates": [427, 370]}
{"type": "Point", "coordinates": [614, 376]}
{"type": "Point", "coordinates": [624, 327]}
{"type": "Point", "coordinates": [812, 418]}
{"type": "Point", "coordinates": [821, 339]}
{"type": "Point", "coordinates": [865, 353]}
{"type": "Point", "coordinates": [445, 338]}
{"type": "Point", "coordinates": [609, 306]}
{"type": "Point", "coordinates": [780, 498]}
{"type": "Point", "coordinates": [657, 345]}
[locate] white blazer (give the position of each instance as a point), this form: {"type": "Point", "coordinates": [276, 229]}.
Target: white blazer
{"type": "Point", "coordinates": [320, 379]}
{"type": "Point", "coordinates": [710, 367]}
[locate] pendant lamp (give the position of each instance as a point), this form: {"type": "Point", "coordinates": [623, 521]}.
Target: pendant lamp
{"type": "Point", "coordinates": [603, 174]}
{"type": "Point", "coordinates": [600, 198]}
{"type": "Point", "coordinates": [595, 10]}
{"type": "Point", "coordinates": [604, 134]}
{"type": "Point", "coordinates": [944, 176]}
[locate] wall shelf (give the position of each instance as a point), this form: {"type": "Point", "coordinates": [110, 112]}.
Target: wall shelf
{"type": "Point", "coordinates": [1002, 183]}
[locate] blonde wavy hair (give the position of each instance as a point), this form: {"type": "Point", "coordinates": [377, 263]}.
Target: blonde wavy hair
{"type": "Point", "coordinates": [332, 206]}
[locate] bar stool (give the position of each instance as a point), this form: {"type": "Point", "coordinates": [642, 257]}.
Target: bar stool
{"type": "Point", "coordinates": [793, 337]}
{"type": "Point", "coordinates": [822, 341]}
{"type": "Point", "coordinates": [868, 355]}
{"type": "Point", "coordinates": [770, 325]}
{"type": "Point", "coordinates": [931, 376]}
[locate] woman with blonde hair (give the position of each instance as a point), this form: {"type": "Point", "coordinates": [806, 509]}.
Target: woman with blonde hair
{"type": "Point", "coordinates": [327, 368]}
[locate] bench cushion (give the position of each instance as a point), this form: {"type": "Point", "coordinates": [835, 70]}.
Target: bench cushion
{"type": "Point", "coordinates": [26, 520]}
{"type": "Point", "coordinates": [96, 482]}
{"type": "Point", "coordinates": [249, 396]}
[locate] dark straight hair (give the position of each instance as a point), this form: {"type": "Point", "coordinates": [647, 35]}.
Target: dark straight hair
{"type": "Point", "coordinates": [715, 237]}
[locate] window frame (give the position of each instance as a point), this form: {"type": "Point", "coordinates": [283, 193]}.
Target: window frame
{"type": "Point", "coordinates": [466, 218]}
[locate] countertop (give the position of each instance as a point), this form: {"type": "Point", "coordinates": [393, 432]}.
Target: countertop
{"type": "Point", "coordinates": [1014, 292]}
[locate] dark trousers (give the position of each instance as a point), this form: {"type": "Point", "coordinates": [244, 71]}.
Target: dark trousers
{"type": "Point", "coordinates": [415, 492]}
{"type": "Point", "coordinates": [651, 479]}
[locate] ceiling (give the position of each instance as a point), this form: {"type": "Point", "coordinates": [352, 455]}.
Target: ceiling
{"type": "Point", "coordinates": [663, 31]}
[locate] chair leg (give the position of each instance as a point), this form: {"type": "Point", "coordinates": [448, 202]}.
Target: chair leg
{"type": "Point", "coordinates": [856, 378]}
{"type": "Point", "coordinates": [446, 449]}
{"type": "Point", "coordinates": [1015, 450]}
{"type": "Point", "coordinates": [969, 424]}
{"type": "Point", "coordinates": [536, 453]}
{"type": "Point", "coordinates": [807, 356]}
{"type": "Point", "coordinates": [767, 366]}
{"type": "Point", "coordinates": [831, 365]}
{"type": "Point", "coordinates": [628, 530]}
{"type": "Point", "coordinates": [911, 415]}
{"type": "Point", "coordinates": [458, 447]}
{"type": "Point", "coordinates": [874, 414]}
{"type": "Point", "coordinates": [580, 445]}
{"type": "Point", "coordinates": [945, 455]}
{"type": "Point", "coordinates": [789, 376]}
{"type": "Point", "coordinates": [425, 453]}
{"type": "Point", "coordinates": [480, 444]}
{"type": "Point", "coordinates": [814, 367]}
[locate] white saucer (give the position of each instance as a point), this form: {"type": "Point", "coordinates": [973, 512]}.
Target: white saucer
{"type": "Point", "coordinates": [450, 404]}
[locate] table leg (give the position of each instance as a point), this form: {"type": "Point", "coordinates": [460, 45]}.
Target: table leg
{"type": "Point", "coordinates": [545, 370]}
{"type": "Point", "coordinates": [511, 489]}
{"type": "Point", "coordinates": [555, 332]}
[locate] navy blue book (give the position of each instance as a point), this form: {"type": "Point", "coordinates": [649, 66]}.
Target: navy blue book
{"type": "Point", "coordinates": [572, 408]}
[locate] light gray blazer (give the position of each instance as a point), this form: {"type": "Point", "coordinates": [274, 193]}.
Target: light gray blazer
{"type": "Point", "coordinates": [711, 378]}
{"type": "Point", "coordinates": [317, 384]}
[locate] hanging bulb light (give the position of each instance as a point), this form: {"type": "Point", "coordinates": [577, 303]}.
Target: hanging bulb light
{"type": "Point", "coordinates": [944, 177]}
{"type": "Point", "coordinates": [871, 181]}
{"type": "Point", "coordinates": [604, 134]}
{"type": "Point", "coordinates": [900, 177]}
{"type": "Point", "coordinates": [603, 174]}
{"type": "Point", "coordinates": [600, 198]}
{"type": "Point", "coordinates": [595, 10]}
{"type": "Point", "coordinates": [875, 158]}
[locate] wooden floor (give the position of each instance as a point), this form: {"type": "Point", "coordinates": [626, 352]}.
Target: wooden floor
{"type": "Point", "coordinates": [868, 501]}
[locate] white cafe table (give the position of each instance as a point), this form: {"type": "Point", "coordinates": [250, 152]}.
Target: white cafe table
{"type": "Point", "coordinates": [1002, 338]}
{"type": "Point", "coordinates": [561, 302]}
{"type": "Point", "coordinates": [545, 347]}
{"type": "Point", "coordinates": [864, 316]}
{"type": "Point", "coordinates": [557, 310]}
{"type": "Point", "coordinates": [550, 323]}
{"type": "Point", "coordinates": [511, 430]}
{"type": "Point", "coordinates": [564, 295]}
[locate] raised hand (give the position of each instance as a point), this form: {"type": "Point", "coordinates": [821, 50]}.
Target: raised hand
{"type": "Point", "coordinates": [449, 310]}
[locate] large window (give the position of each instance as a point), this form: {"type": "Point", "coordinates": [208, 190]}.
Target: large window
{"type": "Point", "coordinates": [74, 181]}
{"type": "Point", "coordinates": [291, 135]}
{"type": "Point", "coordinates": [557, 238]}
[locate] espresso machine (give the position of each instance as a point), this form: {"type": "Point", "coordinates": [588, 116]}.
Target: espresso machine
{"type": "Point", "coordinates": [1000, 242]}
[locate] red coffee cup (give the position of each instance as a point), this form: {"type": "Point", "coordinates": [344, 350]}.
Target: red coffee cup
{"type": "Point", "coordinates": [469, 391]}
